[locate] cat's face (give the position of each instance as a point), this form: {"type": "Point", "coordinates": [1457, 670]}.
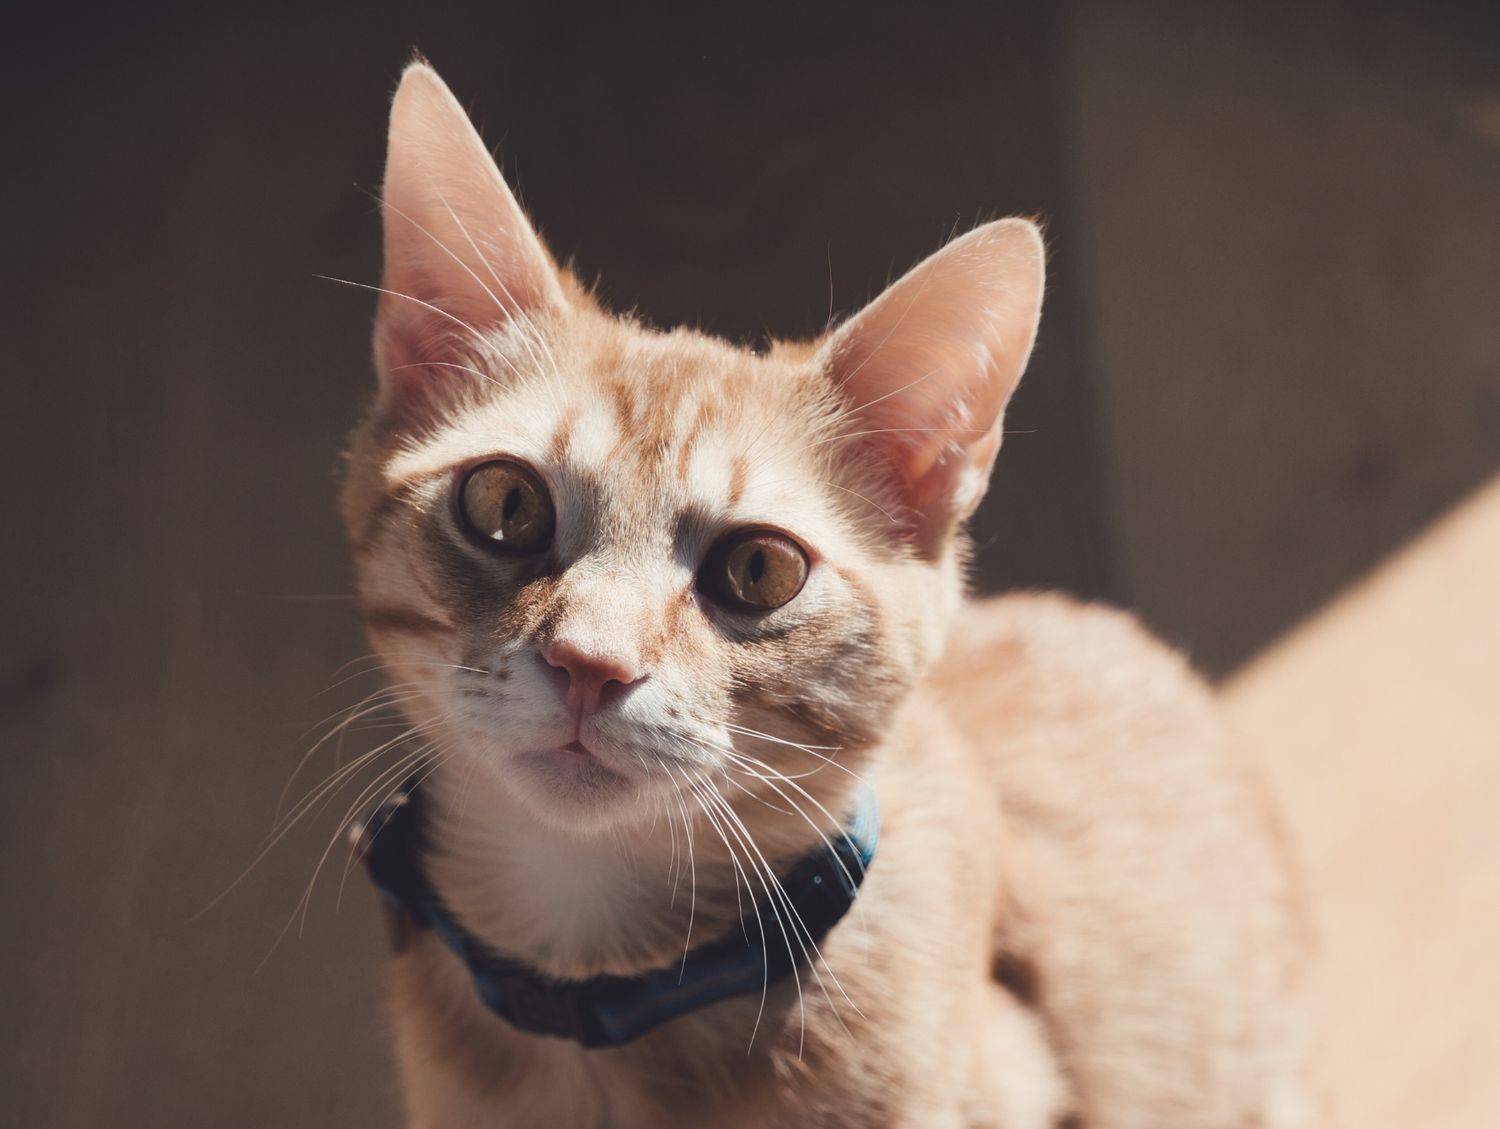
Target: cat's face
{"type": "Point", "coordinates": [608, 565]}
{"type": "Point", "coordinates": [679, 558]}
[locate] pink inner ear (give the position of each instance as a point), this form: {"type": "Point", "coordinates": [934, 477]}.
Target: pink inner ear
{"type": "Point", "coordinates": [460, 257]}
{"type": "Point", "coordinates": [930, 365]}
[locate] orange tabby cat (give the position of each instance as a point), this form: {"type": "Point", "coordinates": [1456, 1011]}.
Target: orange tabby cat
{"type": "Point", "coordinates": [668, 613]}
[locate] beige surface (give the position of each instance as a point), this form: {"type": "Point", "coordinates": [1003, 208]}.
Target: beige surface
{"type": "Point", "coordinates": [1379, 722]}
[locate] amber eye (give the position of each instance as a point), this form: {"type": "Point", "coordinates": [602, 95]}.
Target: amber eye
{"type": "Point", "coordinates": [753, 570]}
{"type": "Point", "coordinates": [505, 506]}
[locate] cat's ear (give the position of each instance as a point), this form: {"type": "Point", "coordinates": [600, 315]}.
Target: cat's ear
{"type": "Point", "coordinates": [460, 256]}
{"type": "Point", "coordinates": [927, 369]}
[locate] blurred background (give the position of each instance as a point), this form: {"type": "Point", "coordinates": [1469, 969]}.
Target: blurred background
{"type": "Point", "coordinates": [1270, 364]}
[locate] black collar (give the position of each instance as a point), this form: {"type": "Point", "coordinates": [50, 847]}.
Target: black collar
{"type": "Point", "coordinates": [606, 1010]}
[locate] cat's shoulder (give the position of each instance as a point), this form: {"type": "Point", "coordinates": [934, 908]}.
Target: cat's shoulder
{"type": "Point", "coordinates": [1057, 684]}
{"type": "Point", "coordinates": [1048, 641]}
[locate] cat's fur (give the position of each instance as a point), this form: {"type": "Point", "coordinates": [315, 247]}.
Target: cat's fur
{"type": "Point", "coordinates": [1077, 915]}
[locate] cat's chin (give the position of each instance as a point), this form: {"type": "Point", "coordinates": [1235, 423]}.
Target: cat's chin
{"type": "Point", "coordinates": [572, 787]}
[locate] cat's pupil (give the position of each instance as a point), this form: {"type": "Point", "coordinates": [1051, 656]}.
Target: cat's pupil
{"type": "Point", "coordinates": [756, 566]}
{"type": "Point", "coordinates": [511, 505]}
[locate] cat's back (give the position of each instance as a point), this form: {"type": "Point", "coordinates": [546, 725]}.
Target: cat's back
{"type": "Point", "coordinates": [1151, 909]}
{"type": "Point", "coordinates": [1087, 721]}
{"type": "Point", "coordinates": [1045, 684]}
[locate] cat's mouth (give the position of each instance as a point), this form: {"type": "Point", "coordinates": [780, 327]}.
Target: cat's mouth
{"type": "Point", "coordinates": [573, 772]}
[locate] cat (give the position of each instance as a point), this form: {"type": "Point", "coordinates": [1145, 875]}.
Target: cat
{"type": "Point", "coordinates": [663, 610]}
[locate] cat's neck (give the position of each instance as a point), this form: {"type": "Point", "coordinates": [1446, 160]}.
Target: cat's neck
{"type": "Point", "coordinates": [574, 905]}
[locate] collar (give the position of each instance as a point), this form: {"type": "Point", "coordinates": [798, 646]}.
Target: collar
{"type": "Point", "coordinates": [607, 1010]}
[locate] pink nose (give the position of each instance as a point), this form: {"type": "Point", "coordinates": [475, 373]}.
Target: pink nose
{"type": "Point", "coordinates": [591, 677]}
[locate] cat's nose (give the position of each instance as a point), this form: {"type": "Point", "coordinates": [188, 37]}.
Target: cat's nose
{"type": "Point", "coordinates": [593, 677]}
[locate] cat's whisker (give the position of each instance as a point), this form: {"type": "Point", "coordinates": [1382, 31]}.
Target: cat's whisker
{"type": "Point", "coordinates": [770, 775]}
{"type": "Point", "coordinates": [813, 958]}
{"type": "Point", "coordinates": [389, 696]}
{"type": "Point", "coordinates": [374, 726]}
{"type": "Point", "coordinates": [474, 333]}
{"type": "Point", "coordinates": [901, 431]}
{"type": "Point", "coordinates": [453, 365]}
{"type": "Point", "coordinates": [847, 378]}
{"type": "Point", "coordinates": [516, 311]}
{"type": "Point", "coordinates": [741, 834]}
{"type": "Point", "coordinates": [673, 873]}
{"type": "Point", "coordinates": [397, 701]}
{"type": "Point", "coordinates": [334, 782]}
{"type": "Point", "coordinates": [380, 663]}
{"type": "Point", "coordinates": [805, 939]}
{"type": "Point", "coordinates": [328, 788]}
{"type": "Point", "coordinates": [376, 699]}
{"type": "Point", "coordinates": [402, 766]}
{"type": "Point", "coordinates": [795, 808]}
{"type": "Point", "coordinates": [657, 802]}
{"type": "Point", "coordinates": [371, 657]}
{"type": "Point", "coordinates": [442, 246]}
{"type": "Point", "coordinates": [740, 879]}
{"type": "Point", "coordinates": [739, 902]}
{"type": "Point", "coordinates": [821, 752]}
{"type": "Point", "coordinates": [392, 773]}
{"type": "Point", "coordinates": [436, 753]}
{"type": "Point", "coordinates": [853, 410]}
{"type": "Point", "coordinates": [745, 729]}
{"type": "Point", "coordinates": [334, 779]}
{"type": "Point", "coordinates": [759, 798]}
{"type": "Point", "coordinates": [687, 829]}
{"type": "Point", "coordinates": [811, 772]}
{"type": "Point", "coordinates": [378, 692]}
{"type": "Point", "coordinates": [892, 518]}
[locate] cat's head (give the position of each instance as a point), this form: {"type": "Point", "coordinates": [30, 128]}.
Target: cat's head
{"type": "Point", "coordinates": [603, 562]}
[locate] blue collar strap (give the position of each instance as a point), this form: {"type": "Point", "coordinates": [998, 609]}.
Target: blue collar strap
{"type": "Point", "coordinates": [606, 1010]}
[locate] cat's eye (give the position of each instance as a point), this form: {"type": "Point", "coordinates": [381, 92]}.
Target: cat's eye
{"type": "Point", "coordinates": [753, 570]}
{"type": "Point", "coordinates": [505, 506]}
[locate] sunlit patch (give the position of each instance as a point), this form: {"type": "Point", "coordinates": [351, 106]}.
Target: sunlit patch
{"type": "Point", "coordinates": [594, 437]}
{"type": "Point", "coordinates": [710, 470]}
